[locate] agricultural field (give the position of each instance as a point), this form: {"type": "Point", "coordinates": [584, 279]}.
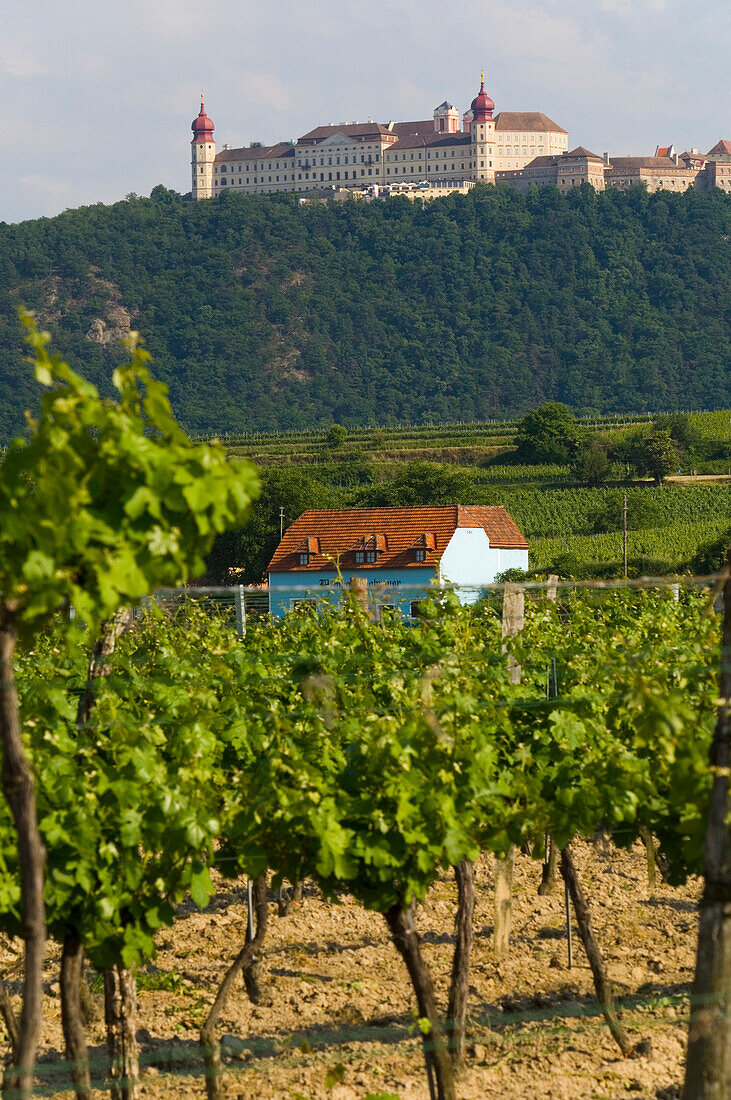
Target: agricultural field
{"type": "Point", "coordinates": [337, 1019]}
{"type": "Point", "coordinates": [375, 763]}
{"type": "Point", "coordinates": [396, 776]}
{"type": "Point", "coordinates": [491, 434]}
{"type": "Point", "coordinates": [574, 530]}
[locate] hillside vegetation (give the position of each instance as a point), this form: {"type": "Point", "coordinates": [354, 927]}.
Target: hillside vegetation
{"type": "Point", "coordinates": [264, 315]}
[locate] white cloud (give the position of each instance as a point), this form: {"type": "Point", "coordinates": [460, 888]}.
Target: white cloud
{"type": "Point", "coordinates": [20, 59]}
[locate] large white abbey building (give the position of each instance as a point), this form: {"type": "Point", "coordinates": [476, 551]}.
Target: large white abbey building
{"type": "Point", "coordinates": [356, 155]}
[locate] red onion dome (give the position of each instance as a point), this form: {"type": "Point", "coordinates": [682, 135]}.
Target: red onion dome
{"type": "Point", "coordinates": [482, 105]}
{"type": "Point", "coordinates": [202, 126]}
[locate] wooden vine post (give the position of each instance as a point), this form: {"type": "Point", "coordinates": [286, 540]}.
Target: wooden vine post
{"type": "Point", "coordinates": [708, 1065]}
{"type": "Point", "coordinates": [513, 617]}
{"type": "Point", "coordinates": [120, 1004]}
{"type": "Point", "coordinates": [459, 986]}
{"type": "Point", "coordinates": [359, 590]}
{"type": "Point", "coordinates": [548, 872]}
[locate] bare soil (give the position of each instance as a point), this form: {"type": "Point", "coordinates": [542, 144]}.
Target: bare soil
{"type": "Point", "coordinates": [341, 1020]}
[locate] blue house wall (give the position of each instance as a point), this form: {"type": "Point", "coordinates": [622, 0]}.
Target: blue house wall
{"type": "Point", "coordinates": [396, 587]}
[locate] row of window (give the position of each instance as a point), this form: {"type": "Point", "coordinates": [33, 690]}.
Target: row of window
{"type": "Point", "coordinates": [364, 159]}
{"type": "Point", "coordinates": [363, 557]}
{"type": "Point", "coordinates": [260, 168]}
{"type": "Point", "coordinates": [415, 606]}
{"type": "Point", "coordinates": [313, 176]}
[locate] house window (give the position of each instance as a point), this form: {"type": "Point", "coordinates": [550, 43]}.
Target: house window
{"type": "Point", "coordinates": [419, 554]}
{"type": "Point", "coordinates": [371, 556]}
{"type": "Point", "coordinates": [359, 557]}
{"type": "Point", "coordinates": [303, 559]}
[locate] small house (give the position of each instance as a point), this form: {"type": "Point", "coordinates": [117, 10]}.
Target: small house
{"type": "Point", "coordinates": [400, 551]}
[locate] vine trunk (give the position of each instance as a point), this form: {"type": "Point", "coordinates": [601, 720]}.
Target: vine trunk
{"type": "Point", "coordinates": [19, 790]}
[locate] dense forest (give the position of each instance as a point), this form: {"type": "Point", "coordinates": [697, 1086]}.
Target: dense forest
{"type": "Point", "coordinates": [261, 314]}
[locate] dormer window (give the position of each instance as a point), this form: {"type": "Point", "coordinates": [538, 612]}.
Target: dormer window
{"type": "Point", "coordinates": [367, 548]}
{"type": "Point", "coordinates": [421, 546]}
{"type": "Point", "coordinates": [304, 552]}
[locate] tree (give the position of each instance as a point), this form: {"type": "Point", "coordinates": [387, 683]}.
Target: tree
{"type": "Point", "coordinates": [590, 463]}
{"type": "Point", "coordinates": [244, 553]}
{"type": "Point", "coordinates": [423, 483]}
{"type": "Point", "coordinates": [654, 453]}
{"type": "Point", "coordinates": [548, 434]}
{"type": "Point", "coordinates": [679, 428]}
{"type": "Point", "coordinates": [101, 502]}
{"type": "Point", "coordinates": [710, 557]}
{"type": "Point", "coordinates": [335, 436]}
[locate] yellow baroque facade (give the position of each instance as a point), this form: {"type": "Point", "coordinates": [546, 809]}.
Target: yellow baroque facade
{"type": "Point", "coordinates": [435, 156]}
{"type": "Point", "coordinates": [356, 156]}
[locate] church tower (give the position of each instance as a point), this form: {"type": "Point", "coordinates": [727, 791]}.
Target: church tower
{"type": "Point", "coordinates": [203, 155]}
{"type": "Point", "coordinates": [482, 133]}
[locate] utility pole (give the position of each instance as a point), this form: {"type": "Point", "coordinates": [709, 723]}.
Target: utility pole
{"type": "Point", "coordinates": [624, 534]}
{"type": "Point", "coordinates": [281, 522]}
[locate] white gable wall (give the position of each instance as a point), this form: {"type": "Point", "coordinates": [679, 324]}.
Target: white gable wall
{"type": "Point", "coordinates": [470, 562]}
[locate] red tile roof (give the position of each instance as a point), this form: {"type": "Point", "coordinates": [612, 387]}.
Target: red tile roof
{"type": "Point", "coordinates": [396, 532]}
{"type": "Point", "coordinates": [721, 146]}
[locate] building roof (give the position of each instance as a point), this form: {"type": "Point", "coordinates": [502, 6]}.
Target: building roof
{"type": "Point", "coordinates": [554, 161]}
{"type": "Point", "coordinates": [258, 152]}
{"type": "Point", "coordinates": [581, 153]}
{"type": "Point", "coordinates": [721, 146]}
{"type": "Point", "coordinates": [362, 130]}
{"type": "Point", "coordinates": [395, 533]}
{"type": "Point", "coordinates": [537, 162]}
{"type": "Point", "coordinates": [420, 141]}
{"type": "Point", "coordinates": [623, 164]}
{"type": "Point", "coordinates": [527, 120]}
{"type": "Point", "coordinates": [445, 106]}
{"type": "Point", "coordinates": [408, 129]}
{"type": "Point", "coordinates": [202, 126]}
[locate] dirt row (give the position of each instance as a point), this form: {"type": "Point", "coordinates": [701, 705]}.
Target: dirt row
{"type": "Point", "coordinates": [341, 1021]}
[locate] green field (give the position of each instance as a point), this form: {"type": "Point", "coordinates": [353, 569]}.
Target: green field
{"type": "Point", "coordinates": [572, 529]}
{"type": "Point", "coordinates": [662, 551]}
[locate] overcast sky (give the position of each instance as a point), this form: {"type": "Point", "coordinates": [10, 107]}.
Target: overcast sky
{"type": "Point", "coordinates": [98, 96]}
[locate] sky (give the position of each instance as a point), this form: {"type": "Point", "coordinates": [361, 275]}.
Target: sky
{"type": "Point", "coordinates": [98, 96]}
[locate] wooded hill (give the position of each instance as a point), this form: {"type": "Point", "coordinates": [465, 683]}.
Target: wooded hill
{"type": "Point", "coordinates": [262, 314]}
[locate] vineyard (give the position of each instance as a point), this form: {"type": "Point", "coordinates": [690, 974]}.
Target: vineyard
{"type": "Point", "coordinates": [361, 758]}
{"type": "Point", "coordinates": [489, 435]}
{"type": "Point", "coordinates": [566, 521]}
{"type": "Point", "coordinates": [407, 774]}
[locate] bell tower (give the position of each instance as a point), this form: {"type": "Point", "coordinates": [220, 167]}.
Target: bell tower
{"type": "Point", "coordinates": [482, 134]}
{"type": "Point", "coordinates": [203, 155]}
